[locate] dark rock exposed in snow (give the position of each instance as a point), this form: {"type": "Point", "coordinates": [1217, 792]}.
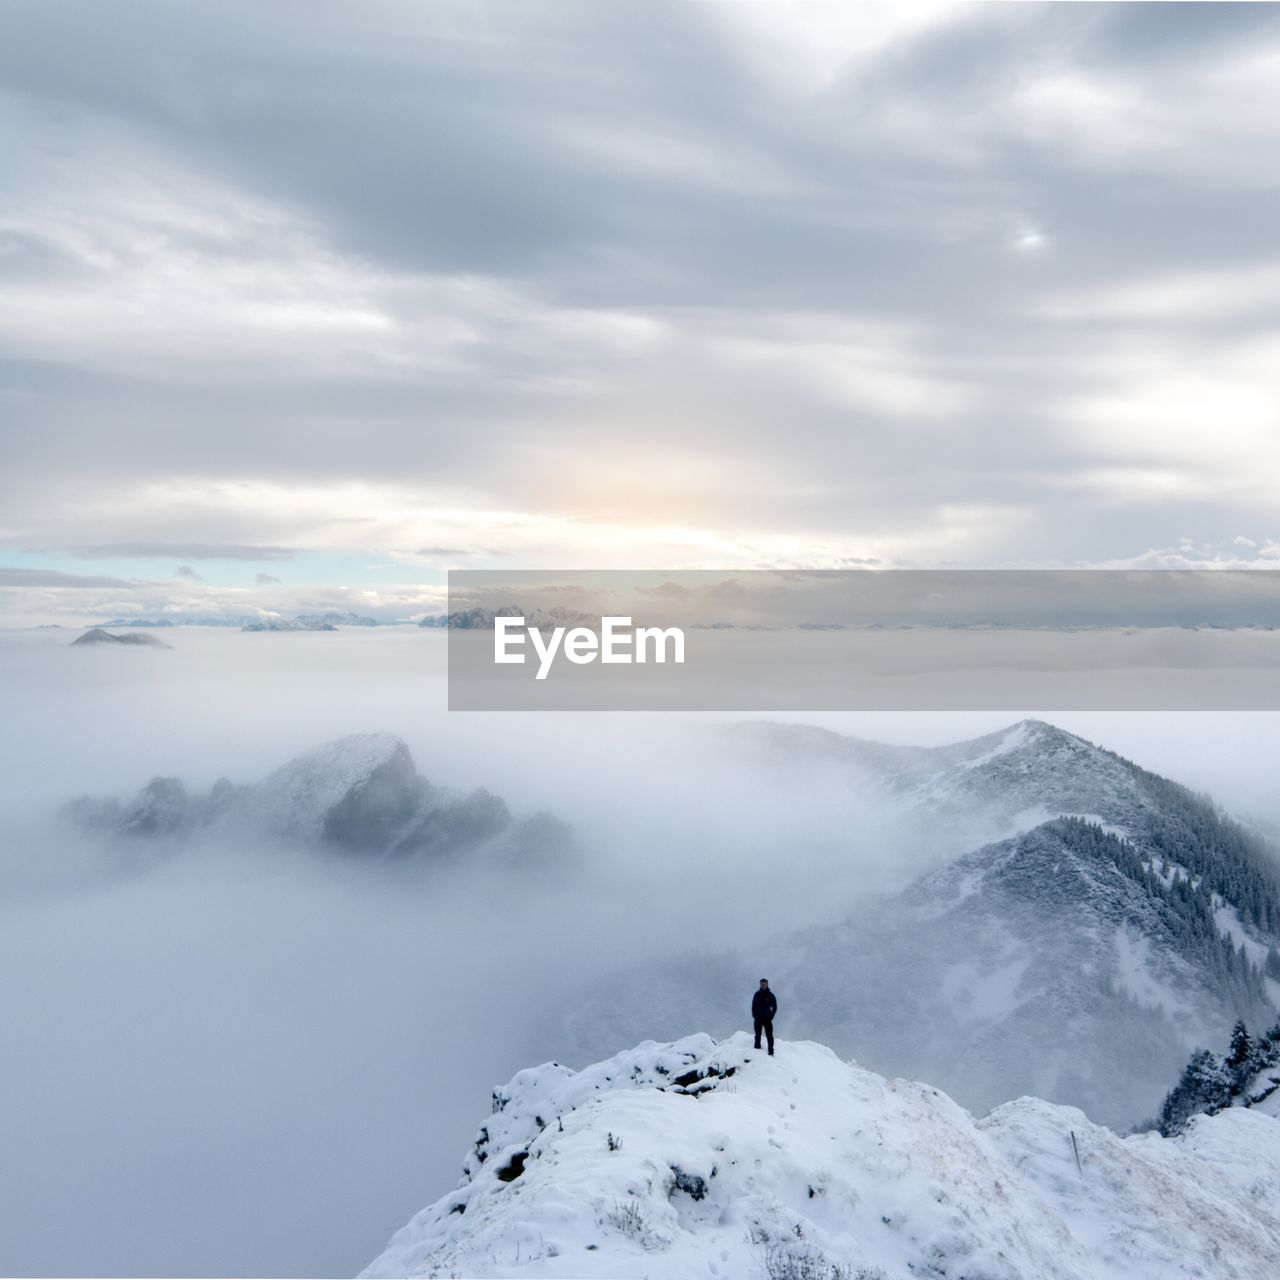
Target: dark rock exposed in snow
{"type": "Point", "coordinates": [162, 807]}
{"type": "Point", "coordinates": [445, 829]}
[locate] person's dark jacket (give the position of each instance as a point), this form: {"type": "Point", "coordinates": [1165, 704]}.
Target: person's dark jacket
{"type": "Point", "coordinates": [764, 1004]}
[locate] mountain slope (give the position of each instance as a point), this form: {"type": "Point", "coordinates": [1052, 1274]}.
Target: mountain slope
{"type": "Point", "coordinates": [1078, 959]}
{"type": "Point", "coordinates": [696, 1159]}
{"type": "Point", "coordinates": [1055, 963]}
{"type": "Point", "coordinates": [1007, 782]}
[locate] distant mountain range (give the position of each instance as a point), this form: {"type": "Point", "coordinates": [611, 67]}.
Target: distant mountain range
{"type": "Point", "coordinates": [257, 622]}
{"type": "Point", "coordinates": [482, 619]}
{"type": "Point", "coordinates": [289, 624]}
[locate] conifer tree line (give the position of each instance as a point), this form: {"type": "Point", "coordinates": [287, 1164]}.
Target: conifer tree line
{"type": "Point", "coordinates": [1186, 909]}
{"type": "Point", "coordinates": [1228, 859]}
{"type": "Point", "coordinates": [1207, 859]}
{"type": "Point", "coordinates": [1248, 1073]}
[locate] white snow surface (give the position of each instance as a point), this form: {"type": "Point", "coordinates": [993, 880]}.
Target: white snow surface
{"type": "Point", "coordinates": [809, 1161]}
{"type": "Point", "coordinates": [1010, 740]}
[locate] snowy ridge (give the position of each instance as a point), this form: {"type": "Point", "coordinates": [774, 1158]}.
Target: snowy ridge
{"type": "Point", "coordinates": [705, 1159]}
{"type": "Point", "coordinates": [1008, 741]}
{"type": "Point", "coordinates": [1007, 777]}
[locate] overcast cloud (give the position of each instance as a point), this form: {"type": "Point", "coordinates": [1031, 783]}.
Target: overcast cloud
{"type": "Point", "coordinates": [378, 289]}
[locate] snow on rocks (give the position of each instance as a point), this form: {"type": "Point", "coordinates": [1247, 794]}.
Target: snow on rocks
{"type": "Point", "coordinates": [705, 1159]}
{"type": "Point", "coordinates": [361, 794]}
{"type": "Point", "coordinates": [299, 797]}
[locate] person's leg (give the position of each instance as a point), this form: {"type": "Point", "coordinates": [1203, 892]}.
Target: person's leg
{"type": "Point", "coordinates": [759, 1027]}
{"type": "Point", "coordinates": [768, 1030]}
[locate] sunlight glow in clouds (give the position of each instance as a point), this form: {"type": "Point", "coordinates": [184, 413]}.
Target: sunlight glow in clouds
{"type": "Point", "coordinates": [706, 284]}
{"type": "Point", "coordinates": [1030, 241]}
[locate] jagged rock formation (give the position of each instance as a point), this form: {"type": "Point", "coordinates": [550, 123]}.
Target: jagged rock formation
{"type": "Point", "coordinates": [360, 794]}
{"type": "Point", "coordinates": [697, 1158]}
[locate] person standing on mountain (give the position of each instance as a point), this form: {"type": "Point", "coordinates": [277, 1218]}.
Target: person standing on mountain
{"type": "Point", "coordinates": [764, 1005]}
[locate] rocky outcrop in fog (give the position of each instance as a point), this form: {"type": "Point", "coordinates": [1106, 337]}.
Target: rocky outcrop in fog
{"type": "Point", "coordinates": [101, 636]}
{"type": "Point", "coordinates": [360, 795]}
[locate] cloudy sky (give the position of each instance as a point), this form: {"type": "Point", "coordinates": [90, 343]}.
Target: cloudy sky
{"type": "Point", "coordinates": [301, 304]}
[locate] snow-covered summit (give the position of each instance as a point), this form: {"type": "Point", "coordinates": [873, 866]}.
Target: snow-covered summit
{"type": "Point", "coordinates": [297, 799]}
{"type": "Point", "coordinates": [704, 1159]}
{"type": "Point", "coordinates": [1000, 783]}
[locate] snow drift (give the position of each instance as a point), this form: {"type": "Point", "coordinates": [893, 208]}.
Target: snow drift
{"type": "Point", "coordinates": [697, 1158]}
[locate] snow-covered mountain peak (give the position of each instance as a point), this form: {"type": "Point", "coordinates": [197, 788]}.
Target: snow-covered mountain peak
{"type": "Point", "coordinates": [1035, 736]}
{"type": "Point", "coordinates": [297, 798]}
{"type": "Point", "coordinates": [696, 1158]}
{"type": "Point", "coordinates": [978, 789]}
{"type": "Point", "coordinates": [1002, 743]}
